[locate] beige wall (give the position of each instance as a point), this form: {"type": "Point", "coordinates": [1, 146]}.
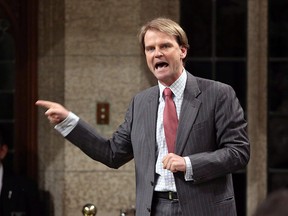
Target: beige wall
{"type": "Point", "coordinates": [257, 102]}
{"type": "Point", "coordinates": [89, 53]}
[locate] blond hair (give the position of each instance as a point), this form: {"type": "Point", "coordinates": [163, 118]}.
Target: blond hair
{"type": "Point", "coordinates": [167, 26]}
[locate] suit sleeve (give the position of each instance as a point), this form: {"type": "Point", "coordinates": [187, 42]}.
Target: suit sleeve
{"type": "Point", "coordinates": [113, 152]}
{"type": "Point", "coordinates": [231, 146]}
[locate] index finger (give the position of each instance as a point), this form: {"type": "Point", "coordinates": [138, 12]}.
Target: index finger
{"type": "Point", "coordinates": [45, 104]}
{"type": "Point", "coordinates": [168, 156]}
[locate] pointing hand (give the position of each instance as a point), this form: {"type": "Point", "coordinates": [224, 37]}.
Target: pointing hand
{"type": "Point", "coordinates": [56, 113]}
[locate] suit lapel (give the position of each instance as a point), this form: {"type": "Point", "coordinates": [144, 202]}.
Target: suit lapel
{"type": "Point", "coordinates": [150, 118]}
{"type": "Point", "coordinates": [189, 110]}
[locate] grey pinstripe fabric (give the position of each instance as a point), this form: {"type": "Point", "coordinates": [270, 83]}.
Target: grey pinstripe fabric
{"type": "Point", "coordinates": [211, 132]}
{"type": "Point", "coordinates": [164, 207]}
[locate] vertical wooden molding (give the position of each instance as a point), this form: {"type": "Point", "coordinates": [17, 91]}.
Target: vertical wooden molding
{"type": "Point", "coordinates": [257, 102]}
{"type": "Point", "coordinates": [26, 91]}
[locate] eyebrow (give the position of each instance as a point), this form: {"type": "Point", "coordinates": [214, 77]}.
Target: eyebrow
{"type": "Point", "coordinates": [161, 44]}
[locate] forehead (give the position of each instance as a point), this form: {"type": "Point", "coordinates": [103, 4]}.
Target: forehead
{"type": "Point", "coordinates": [155, 36]}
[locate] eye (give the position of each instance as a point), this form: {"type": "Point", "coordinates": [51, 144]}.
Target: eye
{"type": "Point", "coordinates": [165, 46]}
{"type": "Point", "coordinates": [149, 49]}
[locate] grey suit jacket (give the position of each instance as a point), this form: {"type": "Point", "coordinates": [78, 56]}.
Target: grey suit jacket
{"type": "Point", "coordinates": [211, 132]}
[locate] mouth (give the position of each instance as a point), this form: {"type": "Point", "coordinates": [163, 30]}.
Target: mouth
{"type": "Point", "coordinates": [160, 65]}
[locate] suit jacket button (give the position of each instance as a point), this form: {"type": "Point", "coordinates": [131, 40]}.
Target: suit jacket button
{"type": "Point", "coordinates": [148, 209]}
{"type": "Point", "coordinates": [152, 183]}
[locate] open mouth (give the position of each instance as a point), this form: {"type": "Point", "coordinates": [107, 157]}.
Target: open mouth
{"type": "Point", "coordinates": [160, 65]}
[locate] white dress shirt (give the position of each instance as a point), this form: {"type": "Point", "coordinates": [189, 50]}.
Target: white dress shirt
{"type": "Point", "coordinates": [165, 181]}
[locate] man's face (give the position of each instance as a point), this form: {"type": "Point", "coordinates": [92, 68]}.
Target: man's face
{"type": "Point", "coordinates": [164, 56]}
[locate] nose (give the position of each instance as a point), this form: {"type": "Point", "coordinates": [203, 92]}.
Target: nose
{"type": "Point", "coordinates": [158, 53]}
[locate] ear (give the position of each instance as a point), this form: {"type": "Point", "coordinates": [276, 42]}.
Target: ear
{"type": "Point", "coordinates": [183, 52]}
{"type": "Point", "coordinates": [3, 151]}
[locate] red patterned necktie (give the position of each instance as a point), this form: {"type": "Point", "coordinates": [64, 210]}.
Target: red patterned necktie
{"type": "Point", "coordinates": [170, 120]}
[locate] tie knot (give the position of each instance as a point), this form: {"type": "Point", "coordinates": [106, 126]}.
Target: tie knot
{"type": "Point", "coordinates": [167, 92]}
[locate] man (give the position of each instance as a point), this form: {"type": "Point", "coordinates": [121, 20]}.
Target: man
{"type": "Point", "coordinates": [18, 195]}
{"type": "Point", "coordinates": [194, 176]}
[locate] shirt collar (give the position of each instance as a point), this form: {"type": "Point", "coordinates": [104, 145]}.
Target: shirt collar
{"type": "Point", "coordinates": [177, 87]}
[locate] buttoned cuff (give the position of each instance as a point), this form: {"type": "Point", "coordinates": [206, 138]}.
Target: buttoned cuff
{"type": "Point", "coordinates": [189, 170]}
{"type": "Point", "coordinates": [67, 125]}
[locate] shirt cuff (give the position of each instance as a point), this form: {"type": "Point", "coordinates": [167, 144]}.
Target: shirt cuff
{"type": "Point", "coordinates": [67, 125]}
{"type": "Point", "coordinates": [189, 170]}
